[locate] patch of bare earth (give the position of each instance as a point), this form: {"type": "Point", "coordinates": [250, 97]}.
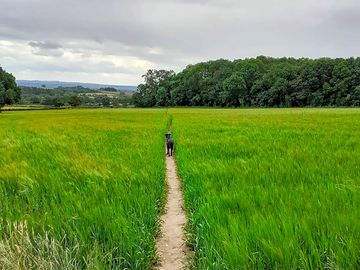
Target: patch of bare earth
{"type": "Point", "coordinates": [171, 244]}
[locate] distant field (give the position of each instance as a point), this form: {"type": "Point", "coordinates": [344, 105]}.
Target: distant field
{"type": "Point", "coordinates": [271, 188]}
{"type": "Point", "coordinates": [24, 107]}
{"type": "Point", "coordinates": [80, 188]}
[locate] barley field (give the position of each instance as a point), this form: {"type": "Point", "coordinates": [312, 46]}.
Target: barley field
{"type": "Point", "coordinates": [80, 188]}
{"type": "Point", "coordinates": [271, 188]}
{"type": "Point", "coordinates": [263, 188]}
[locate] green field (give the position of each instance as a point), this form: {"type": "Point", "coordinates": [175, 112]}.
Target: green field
{"type": "Point", "coordinates": [264, 188]}
{"type": "Point", "coordinates": [24, 107]}
{"type": "Point", "coordinates": [271, 188]}
{"type": "Point", "coordinates": [80, 188]}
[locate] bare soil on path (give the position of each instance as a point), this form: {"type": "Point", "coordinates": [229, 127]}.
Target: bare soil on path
{"type": "Point", "coordinates": [171, 244]}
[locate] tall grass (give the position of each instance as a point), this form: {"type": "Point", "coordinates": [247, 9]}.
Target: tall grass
{"type": "Point", "coordinates": [22, 250]}
{"type": "Point", "coordinates": [91, 181]}
{"type": "Point", "coordinates": [271, 188]}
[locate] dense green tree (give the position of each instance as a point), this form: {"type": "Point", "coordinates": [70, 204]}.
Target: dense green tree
{"type": "Point", "coordinates": [10, 96]}
{"type": "Point", "coordinates": [10, 93]}
{"type": "Point", "coordinates": [355, 97]}
{"type": "Point", "coordinates": [278, 93]}
{"type": "Point", "coordinates": [155, 81]}
{"type": "Point", "coordinates": [35, 100]}
{"type": "Point", "coordinates": [259, 82]}
{"type": "Point", "coordinates": [161, 97]}
{"type": "Point", "coordinates": [234, 92]}
{"type": "Point", "coordinates": [115, 102]}
{"type": "Point", "coordinates": [48, 100]}
{"type": "Point", "coordinates": [106, 101]}
{"type": "Point", "coordinates": [58, 101]}
{"type": "Point", "coordinates": [103, 100]}
{"type": "Point", "coordinates": [2, 95]}
{"type": "Point", "coordinates": [74, 100]}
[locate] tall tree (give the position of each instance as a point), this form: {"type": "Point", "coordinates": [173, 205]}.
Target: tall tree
{"type": "Point", "coordinates": [234, 92]}
{"type": "Point", "coordinates": [74, 100]}
{"type": "Point", "coordinates": [155, 80]}
{"type": "Point", "coordinates": [10, 93]}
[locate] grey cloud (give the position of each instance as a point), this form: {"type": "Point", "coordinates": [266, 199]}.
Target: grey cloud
{"type": "Point", "coordinates": [172, 33]}
{"type": "Point", "coordinates": [46, 48]}
{"type": "Point", "coordinates": [48, 45]}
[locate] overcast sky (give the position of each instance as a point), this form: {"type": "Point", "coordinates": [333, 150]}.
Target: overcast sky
{"type": "Point", "coordinates": [116, 41]}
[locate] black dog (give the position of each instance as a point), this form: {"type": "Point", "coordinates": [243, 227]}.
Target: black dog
{"type": "Point", "coordinates": [169, 144]}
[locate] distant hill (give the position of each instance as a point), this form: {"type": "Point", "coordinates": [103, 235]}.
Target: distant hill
{"type": "Point", "coordinates": [54, 84]}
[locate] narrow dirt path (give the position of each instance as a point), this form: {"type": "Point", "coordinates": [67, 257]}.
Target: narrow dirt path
{"type": "Point", "coordinates": [171, 244]}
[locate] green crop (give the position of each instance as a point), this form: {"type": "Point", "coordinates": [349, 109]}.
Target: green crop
{"type": "Point", "coordinates": [271, 188]}
{"type": "Point", "coordinates": [264, 188]}
{"type": "Point", "coordinates": [80, 188]}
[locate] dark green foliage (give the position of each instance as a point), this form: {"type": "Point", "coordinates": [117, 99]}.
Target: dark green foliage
{"type": "Point", "coordinates": [10, 93]}
{"type": "Point", "coordinates": [255, 82]}
{"type": "Point", "coordinates": [2, 95]}
{"type": "Point", "coordinates": [234, 92]}
{"type": "Point", "coordinates": [35, 100]}
{"type": "Point", "coordinates": [103, 100]}
{"type": "Point", "coordinates": [74, 100]}
{"type": "Point", "coordinates": [56, 101]}
{"type": "Point", "coordinates": [56, 91]}
{"type": "Point", "coordinates": [156, 90]}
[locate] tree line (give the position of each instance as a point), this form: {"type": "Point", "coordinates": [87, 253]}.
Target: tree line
{"type": "Point", "coordinates": [256, 82]}
{"type": "Point", "coordinates": [75, 96]}
{"type": "Point", "coordinates": [73, 100]}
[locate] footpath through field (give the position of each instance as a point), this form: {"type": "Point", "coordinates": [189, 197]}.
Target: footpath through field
{"type": "Point", "coordinates": [171, 244]}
